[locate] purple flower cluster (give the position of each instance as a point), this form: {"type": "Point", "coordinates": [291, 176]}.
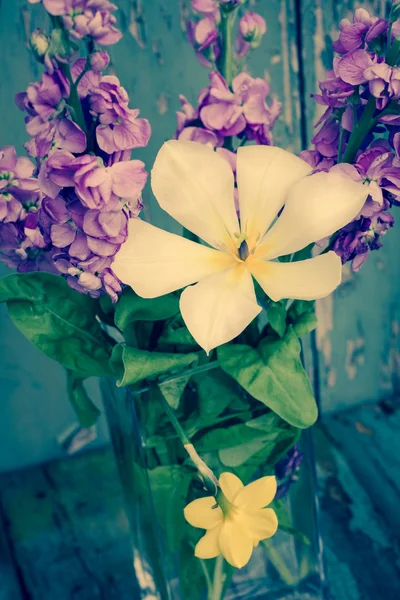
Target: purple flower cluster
{"type": "Point", "coordinates": [205, 36]}
{"type": "Point", "coordinates": [70, 213]}
{"type": "Point", "coordinates": [223, 113]}
{"type": "Point", "coordinates": [364, 81]}
{"type": "Point", "coordinates": [21, 239]}
{"type": "Point", "coordinates": [86, 18]}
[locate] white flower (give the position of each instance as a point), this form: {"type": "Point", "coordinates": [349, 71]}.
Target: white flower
{"type": "Point", "coordinates": [195, 186]}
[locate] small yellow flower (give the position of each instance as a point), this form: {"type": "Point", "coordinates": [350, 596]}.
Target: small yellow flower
{"type": "Point", "coordinates": [238, 522]}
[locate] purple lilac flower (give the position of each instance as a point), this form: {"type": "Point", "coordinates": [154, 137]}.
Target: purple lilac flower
{"type": "Point", "coordinates": [91, 18]}
{"type": "Point", "coordinates": [119, 126]}
{"type": "Point", "coordinates": [286, 470]}
{"type": "Point", "coordinates": [362, 30]}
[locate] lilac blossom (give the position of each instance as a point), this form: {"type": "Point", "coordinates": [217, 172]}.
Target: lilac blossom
{"type": "Point", "coordinates": [119, 126]}
{"type": "Point", "coordinates": [86, 18]}
{"type": "Point", "coordinates": [363, 29]}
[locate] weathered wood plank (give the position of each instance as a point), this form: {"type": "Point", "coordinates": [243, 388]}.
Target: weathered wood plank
{"type": "Point", "coordinates": [69, 534]}
{"type": "Point", "coordinates": [68, 530]}
{"type": "Point", "coordinates": [361, 550]}
{"type": "Point", "coordinates": [358, 332]}
{"type": "Point", "coordinates": [9, 586]}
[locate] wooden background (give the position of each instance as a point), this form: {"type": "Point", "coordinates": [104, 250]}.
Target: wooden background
{"type": "Point", "coordinates": [356, 348]}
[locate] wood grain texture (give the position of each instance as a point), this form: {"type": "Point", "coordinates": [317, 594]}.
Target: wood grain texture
{"type": "Point", "coordinates": [358, 332]}
{"type": "Point", "coordinates": [68, 534]}
{"type": "Point", "coordinates": [155, 64]}
{"type": "Point", "coordinates": [69, 531]}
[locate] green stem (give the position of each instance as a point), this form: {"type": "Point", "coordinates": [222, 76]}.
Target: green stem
{"type": "Point", "coordinates": [207, 576]}
{"type": "Point", "coordinates": [360, 130]}
{"type": "Point", "coordinates": [210, 481]}
{"type": "Point", "coordinates": [393, 54]}
{"type": "Point", "coordinates": [74, 99]}
{"type": "Point", "coordinates": [225, 59]}
{"type": "Point", "coordinates": [218, 581]}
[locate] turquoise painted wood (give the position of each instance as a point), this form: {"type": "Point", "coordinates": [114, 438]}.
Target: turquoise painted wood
{"type": "Point", "coordinates": [358, 354]}
{"type": "Point", "coordinates": [358, 333]}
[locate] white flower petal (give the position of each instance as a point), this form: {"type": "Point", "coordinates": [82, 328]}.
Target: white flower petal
{"type": "Point", "coordinates": [194, 185]}
{"type": "Point", "coordinates": [203, 513]}
{"type": "Point", "coordinates": [230, 485]}
{"type": "Point", "coordinates": [257, 494]}
{"type": "Point", "coordinates": [219, 307]}
{"type": "Point", "coordinates": [304, 280]}
{"type": "Point", "coordinates": [208, 546]}
{"type": "Point", "coordinates": [264, 175]}
{"type": "Point", "coordinates": [234, 544]}
{"type": "Point", "coordinates": [154, 262]}
{"type": "Point", "coordinates": [316, 207]}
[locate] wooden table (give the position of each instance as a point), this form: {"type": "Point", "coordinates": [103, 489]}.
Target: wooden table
{"type": "Point", "coordinates": [65, 535]}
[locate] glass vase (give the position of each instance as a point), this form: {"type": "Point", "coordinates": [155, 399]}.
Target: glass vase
{"type": "Point", "coordinates": [158, 480]}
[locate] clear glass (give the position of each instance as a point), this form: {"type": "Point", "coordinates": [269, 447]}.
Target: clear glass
{"type": "Point", "coordinates": [288, 566]}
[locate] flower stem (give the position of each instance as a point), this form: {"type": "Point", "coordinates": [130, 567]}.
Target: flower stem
{"type": "Point", "coordinates": [218, 581]}
{"type": "Point", "coordinates": [207, 476]}
{"type": "Point", "coordinates": [74, 99]}
{"type": "Point", "coordinates": [360, 130]}
{"type": "Point", "coordinates": [225, 59]}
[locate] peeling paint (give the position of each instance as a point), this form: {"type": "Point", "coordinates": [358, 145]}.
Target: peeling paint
{"type": "Point", "coordinates": [324, 312]}
{"type": "Point", "coordinates": [355, 356]}
{"type": "Point", "coordinates": [287, 106]}
{"type": "Point", "coordinates": [136, 25]}
{"type": "Point", "coordinates": [156, 46]}
{"type": "Point", "coordinates": [183, 14]}
{"type": "Point", "coordinates": [362, 429]}
{"type": "Point", "coordinates": [162, 103]}
{"type": "Point", "coordinates": [390, 365]}
{"type": "Point", "coordinates": [319, 48]}
{"type": "Point", "coordinates": [26, 20]}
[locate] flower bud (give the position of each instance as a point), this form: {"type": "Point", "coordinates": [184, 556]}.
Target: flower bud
{"type": "Point", "coordinates": [99, 61]}
{"type": "Point", "coordinates": [252, 27]}
{"type": "Point", "coordinates": [39, 43]}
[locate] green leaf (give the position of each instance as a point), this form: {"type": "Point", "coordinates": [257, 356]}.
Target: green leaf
{"type": "Point", "coordinates": [277, 317]}
{"type": "Point", "coordinates": [58, 320]}
{"type": "Point", "coordinates": [273, 374]}
{"type": "Point", "coordinates": [133, 365]}
{"type": "Point", "coordinates": [173, 390]}
{"type": "Point", "coordinates": [302, 316]}
{"type": "Point", "coordinates": [169, 486]}
{"type": "Point", "coordinates": [179, 337]}
{"type": "Point", "coordinates": [86, 412]}
{"type": "Point", "coordinates": [131, 307]}
{"type": "Point", "coordinates": [216, 391]}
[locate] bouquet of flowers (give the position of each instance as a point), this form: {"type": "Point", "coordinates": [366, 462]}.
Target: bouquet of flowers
{"type": "Point", "coordinates": [214, 373]}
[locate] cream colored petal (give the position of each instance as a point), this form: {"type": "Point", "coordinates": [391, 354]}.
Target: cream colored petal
{"type": "Point", "coordinates": [194, 185]}
{"type": "Point", "coordinates": [259, 525]}
{"type": "Point", "coordinates": [315, 208]}
{"type": "Point", "coordinates": [303, 280]}
{"type": "Point", "coordinates": [257, 494]}
{"type": "Point", "coordinates": [219, 307]}
{"type": "Point", "coordinates": [154, 262]}
{"type": "Point", "coordinates": [230, 485]}
{"type": "Point", "coordinates": [235, 545]}
{"type": "Point", "coordinates": [208, 546]}
{"type": "Point", "coordinates": [264, 175]}
{"type": "Point", "coordinates": [203, 513]}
